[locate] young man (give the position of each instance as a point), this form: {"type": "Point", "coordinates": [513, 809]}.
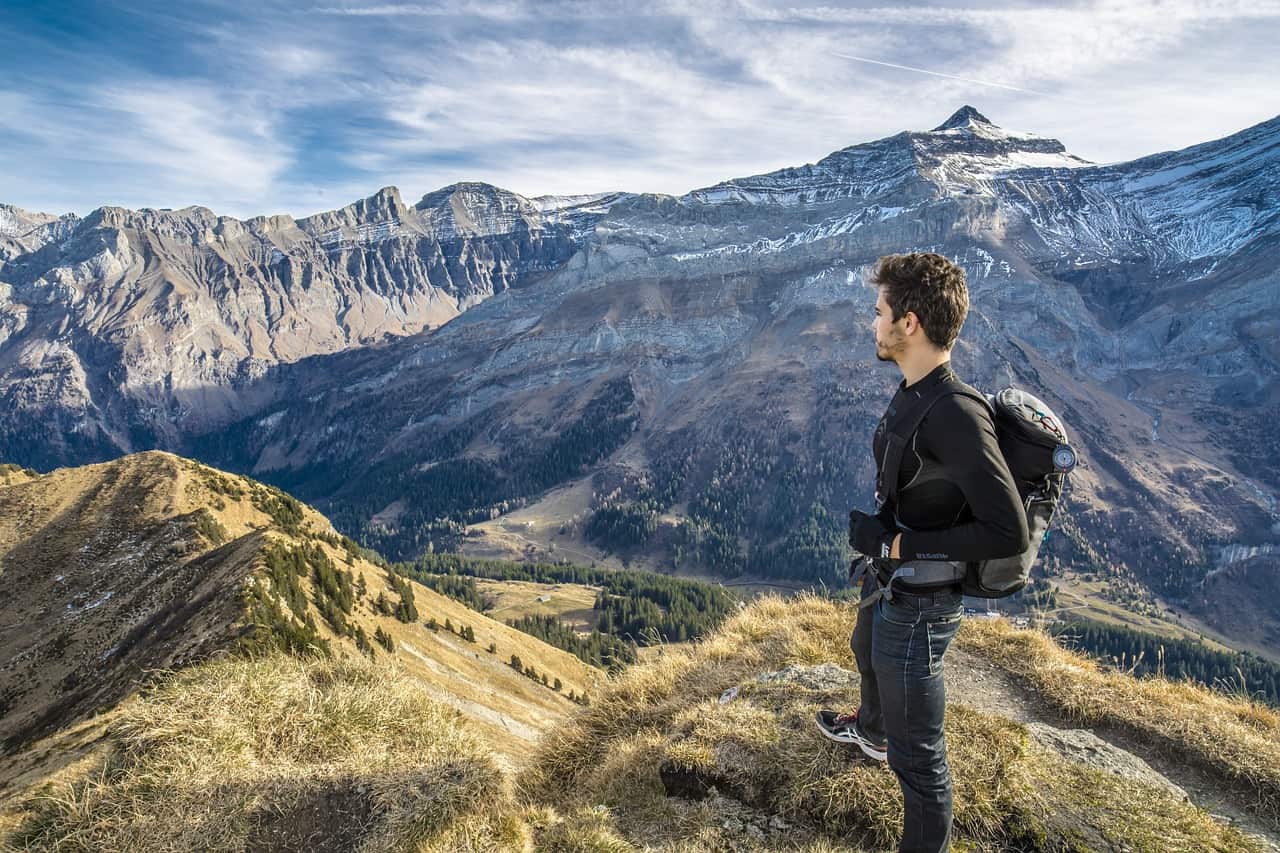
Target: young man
{"type": "Point", "coordinates": [956, 501]}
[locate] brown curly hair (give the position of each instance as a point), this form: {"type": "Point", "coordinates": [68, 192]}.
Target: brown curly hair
{"type": "Point", "coordinates": [929, 286]}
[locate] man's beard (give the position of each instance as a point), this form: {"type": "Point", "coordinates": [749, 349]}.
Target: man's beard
{"type": "Point", "coordinates": [886, 352]}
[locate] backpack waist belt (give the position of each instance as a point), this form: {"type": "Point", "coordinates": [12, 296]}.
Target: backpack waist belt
{"type": "Point", "coordinates": [923, 572]}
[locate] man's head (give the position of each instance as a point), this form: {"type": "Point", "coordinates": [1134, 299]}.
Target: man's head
{"type": "Point", "coordinates": [922, 302]}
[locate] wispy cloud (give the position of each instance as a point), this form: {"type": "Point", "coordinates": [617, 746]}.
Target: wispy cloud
{"type": "Point", "coordinates": [271, 108]}
{"type": "Point", "coordinates": [200, 146]}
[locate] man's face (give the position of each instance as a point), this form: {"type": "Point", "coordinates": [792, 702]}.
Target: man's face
{"type": "Point", "coordinates": [891, 341]}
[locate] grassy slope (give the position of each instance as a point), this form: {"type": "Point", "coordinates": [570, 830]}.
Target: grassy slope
{"type": "Point", "coordinates": [242, 753]}
{"type": "Point", "coordinates": [510, 709]}
{"type": "Point", "coordinates": [278, 753]}
{"type": "Point", "coordinates": [116, 584]}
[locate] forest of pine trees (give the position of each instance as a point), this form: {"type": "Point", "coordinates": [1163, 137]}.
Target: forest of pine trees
{"type": "Point", "coordinates": [283, 567]}
{"type": "Point", "coordinates": [1146, 654]}
{"type": "Point", "coordinates": [456, 491]}
{"type": "Point", "coordinates": [406, 610]}
{"type": "Point", "coordinates": [458, 587]}
{"type": "Point", "coordinates": [638, 606]}
{"type": "Point", "coordinates": [596, 649]}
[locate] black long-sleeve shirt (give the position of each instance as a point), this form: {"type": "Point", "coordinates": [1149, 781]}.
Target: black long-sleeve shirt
{"type": "Point", "coordinates": [956, 498]}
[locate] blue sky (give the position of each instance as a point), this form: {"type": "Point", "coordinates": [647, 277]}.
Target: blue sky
{"type": "Point", "coordinates": [266, 107]}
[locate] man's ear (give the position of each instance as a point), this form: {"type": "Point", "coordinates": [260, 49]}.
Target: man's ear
{"type": "Point", "coordinates": [912, 322]}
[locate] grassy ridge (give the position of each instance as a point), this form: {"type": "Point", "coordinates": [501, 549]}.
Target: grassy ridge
{"type": "Point", "coordinates": [278, 753]}
{"type": "Point", "coordinates": [762, 746]}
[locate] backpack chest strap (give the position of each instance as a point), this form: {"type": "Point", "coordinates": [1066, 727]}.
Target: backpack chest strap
{"type": "Point", "coordinates": [898, 436]}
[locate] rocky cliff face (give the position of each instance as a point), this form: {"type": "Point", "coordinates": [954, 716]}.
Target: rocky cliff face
{"type": "Point", "coordinates": [22, 232]}
{"type": "Point", "coordinates": [128, 329]}
{"type": "Point", "coordinates": [708, 356]}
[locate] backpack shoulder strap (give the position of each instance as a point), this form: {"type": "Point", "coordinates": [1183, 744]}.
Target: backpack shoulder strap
{"type": "Point", "coordinates": [897, 438]}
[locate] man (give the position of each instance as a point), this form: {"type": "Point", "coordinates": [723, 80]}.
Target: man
{"type": "Point", "coordinates": [956, 501]}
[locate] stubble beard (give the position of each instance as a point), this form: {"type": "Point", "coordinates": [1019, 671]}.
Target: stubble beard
{"type": "Point", "coordinates": [887, 352]}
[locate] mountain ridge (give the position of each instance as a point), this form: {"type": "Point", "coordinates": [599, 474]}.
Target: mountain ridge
{"type": "Point", "coordinates": [151, 563]}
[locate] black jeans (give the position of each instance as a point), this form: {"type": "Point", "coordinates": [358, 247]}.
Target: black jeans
{"type": "Point", "coordinates": [899, 646]}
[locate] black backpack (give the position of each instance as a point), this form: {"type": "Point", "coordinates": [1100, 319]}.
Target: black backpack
{"type": "Point", "coordinates": [1034, 443]}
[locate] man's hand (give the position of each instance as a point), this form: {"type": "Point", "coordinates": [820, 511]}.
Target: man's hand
{"type": "Point", "coordinates": [868, 535]}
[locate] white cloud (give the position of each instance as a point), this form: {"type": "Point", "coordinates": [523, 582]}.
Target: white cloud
{"type": "Point", "coordinates": [197, 137]}
{"type": "Point", "coordinates": [154, 144]}
{"type": "Point", "coordinates": [298, 110]}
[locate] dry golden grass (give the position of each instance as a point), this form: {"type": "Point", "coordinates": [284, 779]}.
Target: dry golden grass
{"type": "Point", "coordinates": [11, 474]}
{"type": "Point", "coordinates": [509, 709]}
{"type": "Point", "coordinates": [275, 752]}
{"type": "Point", "coordinates": [761, 750]}
{"type": "Point", "coordinates": [1234, 737]}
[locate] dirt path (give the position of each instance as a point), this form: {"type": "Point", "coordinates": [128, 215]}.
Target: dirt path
{"type": "Point", "coordinates": [981, 685]}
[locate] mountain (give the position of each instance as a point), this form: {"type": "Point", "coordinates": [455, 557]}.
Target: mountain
{"type": "Point", "coordinates": [117, 572]}
{"type": "Point", "coordinates": [133, 328]}
{"type": "Point", "coordinates": [22, 232]}
{"type": "Point", "coordinates": [692, 383]}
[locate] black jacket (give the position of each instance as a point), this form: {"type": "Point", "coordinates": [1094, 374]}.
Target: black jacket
{"type": "Point", "coordinates": [956, 497]}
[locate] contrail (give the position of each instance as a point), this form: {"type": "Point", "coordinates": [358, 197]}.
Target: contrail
{"type": "Point", "coordinates": [940, 74]}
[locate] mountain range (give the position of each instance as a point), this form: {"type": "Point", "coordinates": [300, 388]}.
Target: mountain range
{"type": "Point", "coordinates": [697, 371]}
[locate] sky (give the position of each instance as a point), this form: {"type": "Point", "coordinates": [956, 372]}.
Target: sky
{"type": "Point", "coordinates": [265, 107]}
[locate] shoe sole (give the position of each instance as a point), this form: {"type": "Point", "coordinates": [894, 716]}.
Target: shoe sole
{"type": "Point", "coordinates": [851, 740]}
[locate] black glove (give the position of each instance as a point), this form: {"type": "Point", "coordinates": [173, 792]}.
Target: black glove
{"type": "Point", "coordinates": [868, 535]}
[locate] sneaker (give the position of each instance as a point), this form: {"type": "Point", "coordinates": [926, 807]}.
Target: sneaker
{"type": "Point", "coordinates": [843, 728]}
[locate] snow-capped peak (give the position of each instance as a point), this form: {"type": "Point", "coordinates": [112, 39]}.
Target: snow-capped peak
{"type": "Point", "coordinates": [963, 117]}
{"type": "Point", "coordinates": [967, 150]}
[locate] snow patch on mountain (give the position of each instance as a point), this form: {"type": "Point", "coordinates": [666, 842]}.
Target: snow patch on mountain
{"type": "Point", "coordinates": [834, 227]}
{"type": "Point", "coordinates": [9, 224]}
{"type": "Point", "coordinates": [364, 233]}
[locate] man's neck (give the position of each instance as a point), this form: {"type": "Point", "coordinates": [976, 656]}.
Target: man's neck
{"type": "Point", "coordinates": [921, 365]}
